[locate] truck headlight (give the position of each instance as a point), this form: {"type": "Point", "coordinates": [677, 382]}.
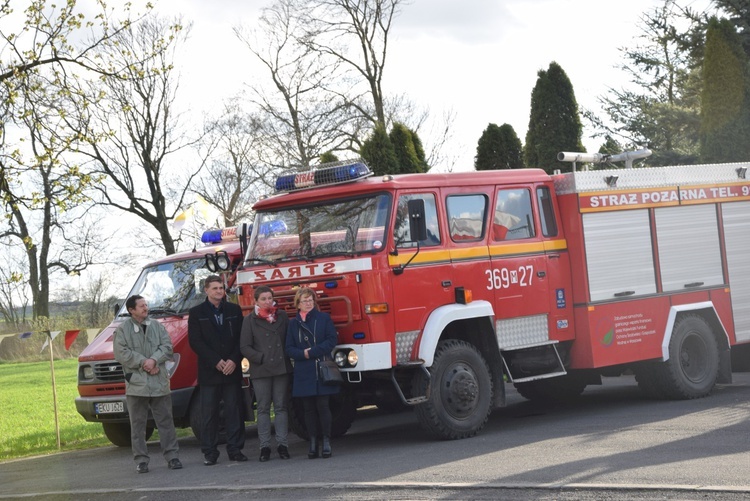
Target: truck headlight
{"type": "Point", "coordinates": [171, 365]}
{"type": "Point", "coordinates": [346, 358]}
{"type": "Point", "coordinates": [87, 372]}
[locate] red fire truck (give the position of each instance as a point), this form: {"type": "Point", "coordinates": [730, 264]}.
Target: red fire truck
{"type": "Point", "coordinates": [171, 286]}
{"type": "Point", "coordinates": [445, 287]}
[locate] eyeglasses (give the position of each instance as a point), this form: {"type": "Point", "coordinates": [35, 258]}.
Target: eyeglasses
{"type": "Point", "coordinates": [308, 300]}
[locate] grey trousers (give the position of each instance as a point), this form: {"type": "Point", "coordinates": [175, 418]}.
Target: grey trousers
{"type": "Point", "coordinates": [267, 390]}
{"type": "Point", "coordinates": [161, 408]}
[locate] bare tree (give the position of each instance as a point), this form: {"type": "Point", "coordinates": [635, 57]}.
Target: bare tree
{"type": "Point", "coordinates": [354, 33]}
{"type": "Point", "coordinates": [234, 178]}
{"type": "Point", "coordinates": [303, 115]}
{"type": "Point", "coordinates": [130, 130]}
{"type": "Point", "coordinates": [14, 297]}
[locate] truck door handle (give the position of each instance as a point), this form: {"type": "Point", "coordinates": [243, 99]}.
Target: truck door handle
{"type": "Point", "coordinates": [446, 283]}
{"type": "Point", "coordinates": [541, 274]}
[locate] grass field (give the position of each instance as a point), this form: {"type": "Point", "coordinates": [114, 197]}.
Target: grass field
{"type": "Point", "coordinates": [27, 418]}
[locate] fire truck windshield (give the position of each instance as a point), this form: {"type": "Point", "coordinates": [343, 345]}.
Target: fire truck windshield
{"type": "Point", "coordinates": [336, 228]}
{"type": "Point", "coordinates": [170, 288]}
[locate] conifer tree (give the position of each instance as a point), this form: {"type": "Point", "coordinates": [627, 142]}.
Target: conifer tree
{"type": "Point", "coordinates": [554, 123]}
{"type": "Point", "coordinates": [498, 148]}
{"type": "Point", "coordinates": [377, 150]}
{"type": "Point", "coordinates": [725, 110]}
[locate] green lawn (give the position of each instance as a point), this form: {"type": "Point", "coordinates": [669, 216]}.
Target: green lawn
{"type": "Point", "coordinates": [27, 417]}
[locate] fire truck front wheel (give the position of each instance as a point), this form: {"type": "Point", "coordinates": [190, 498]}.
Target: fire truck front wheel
{"type": "Point", "coordinates": [460, 397]}
{"type": "Point", "coordinates": [119, 433]}
{"type": "Point", "coordinates": [693, 365]}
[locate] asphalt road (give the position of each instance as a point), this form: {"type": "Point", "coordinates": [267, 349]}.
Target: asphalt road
{"type": "Point", "coordinates": [612, 443]}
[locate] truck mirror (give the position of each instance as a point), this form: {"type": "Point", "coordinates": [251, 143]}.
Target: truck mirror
{"type": "Point", "coordinates": [117, 308]}
{"type": "Point", "coordinates": [417, 221]}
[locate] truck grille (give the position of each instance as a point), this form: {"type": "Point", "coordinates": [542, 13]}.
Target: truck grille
{"type": "Point", "coordinates": [109, 371]}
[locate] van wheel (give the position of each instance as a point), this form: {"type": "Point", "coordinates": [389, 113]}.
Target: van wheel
{"type": "Point", "coordinates": [693, 365]}
{"type": "Point", "coordinates": [343, 411]}
{"type": "Point", "coordinates": [460, 393]}
{"type": "Point", "coordinates": [119, 433]}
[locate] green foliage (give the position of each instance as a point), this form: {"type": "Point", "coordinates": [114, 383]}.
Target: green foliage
{"type": "Point", "coordinates": [499, 148]}
{"type": "Point", "coordinates": [725, 113]}
{"type": "Point", "coordinates": [328, 157]}
{"type": "Point", "coordinates": [661, 108]}
{"type": "Point", "coordinates": [402, 139]}
{"type": "Point", "coordinates": [554, 123]}
{"type": "Point", "coordinates": [739, 15]}
{"type": "Point", "coordinates": [379, 153]}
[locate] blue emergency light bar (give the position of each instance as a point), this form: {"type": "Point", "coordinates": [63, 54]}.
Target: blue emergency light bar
{"type": "Point", "coordinates": [222, 235]}
{"type": "Point", "coordinates": [323, 176]}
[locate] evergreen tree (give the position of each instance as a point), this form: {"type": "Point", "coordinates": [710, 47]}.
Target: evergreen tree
{"type": "Point", "coordinates": [377, 150]}
{"type": "Point", "coordinates": [328, 157]}
{"type": "Point", "coordinates": [661, 106]}
{"type": "Point", "coordinates": [406, 154]}
{"type": "Point", "coordinates": [498, 148]}
{"type": "Point", "coordinates": [725, 124]}
{"type": "Point", "coordinates": [554, 123]}
{"type": "Point", "coordinates": [419, 149]}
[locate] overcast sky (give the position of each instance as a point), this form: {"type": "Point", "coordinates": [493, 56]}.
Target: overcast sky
{"type": "Point", "coordinates": [478, 58]}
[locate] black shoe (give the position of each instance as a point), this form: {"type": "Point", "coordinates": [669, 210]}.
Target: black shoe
{"type": "Point", "coordinates": [265, 454]}
{"type": "Point", "coordinates": [174, 464]}
{"type": "Point", "coordinates": [237, 456]}
{"type": "Point", "coordinates": [210, 460]}
{"type": "Point", "coordinates": [283, 452]}
{"type": "Point", "coordinates": [327, 447]}
{"type": "Point", "coordinates": [312, 453]}
{"type": "Point", "coordinates": [142, 468]}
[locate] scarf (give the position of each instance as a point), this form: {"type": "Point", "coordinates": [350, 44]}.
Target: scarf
{"type": "Point", "coordinates": [267, 314]}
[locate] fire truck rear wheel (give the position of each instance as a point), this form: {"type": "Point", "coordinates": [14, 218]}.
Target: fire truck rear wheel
{"type": "Point", "coordinates": [460, 399]}
{"type": "Point", "coordinates": [119, 433]}
{"type": "Point", "coordinates": [693, 365]}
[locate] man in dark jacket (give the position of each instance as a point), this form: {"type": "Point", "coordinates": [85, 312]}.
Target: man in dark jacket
{"type": "Point", "coordinates": [214, 334]}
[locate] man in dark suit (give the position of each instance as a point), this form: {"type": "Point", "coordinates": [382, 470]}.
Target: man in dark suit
{"type": "Point", "coordinates": [214, 333]}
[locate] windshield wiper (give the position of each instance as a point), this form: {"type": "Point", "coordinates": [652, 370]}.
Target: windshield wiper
{"type": "Point", "coordinates": [162, 310]}
{"type": "Point", "coordinates": [335, 254]}
{"type": "Point", "coordinates": [260, 260]}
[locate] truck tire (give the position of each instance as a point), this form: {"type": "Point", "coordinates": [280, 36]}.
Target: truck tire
{"type": "Point", "coordinates": [119, 433]}
{"type": "Point", "coordinates": [343, 411]}
{"type": "Point", "coordinates": [460, 397]}
{"type": "Point", "coordinates": [556, 389]}
{"type": "Point", "coordinates": [693, 365]}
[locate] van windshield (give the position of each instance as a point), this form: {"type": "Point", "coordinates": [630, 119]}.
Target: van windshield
{"type": "Point", "coordinates": [335, 228]}
{"type": "Point", "coordinates": [171, 288]}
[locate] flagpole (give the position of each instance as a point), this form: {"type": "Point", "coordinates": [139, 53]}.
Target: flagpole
{"type": "Point", "coordinates": [54, 389]}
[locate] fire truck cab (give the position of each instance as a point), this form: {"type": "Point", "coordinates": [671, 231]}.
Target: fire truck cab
{"type": "Point", "coordinates": [444, 287]}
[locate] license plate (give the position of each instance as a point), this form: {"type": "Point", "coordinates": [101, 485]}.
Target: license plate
{"type": "Point", "coordinates": [109, 407]}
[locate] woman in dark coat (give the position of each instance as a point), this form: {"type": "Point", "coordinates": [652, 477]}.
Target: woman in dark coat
{"type": "Point", "coordinates": [311, 337]}
{"type": "Point", "coordinates": [262, 342]}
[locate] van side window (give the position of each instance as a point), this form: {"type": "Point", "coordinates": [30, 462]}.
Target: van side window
{"type": "Point", "coordinates": [546, 212]}
{"type": "Point", "coordinates": [401, 233]}
{"type": "Point", "coordinates": [513, 218]}
{"type": "Point", "coordinates": [466, 215]}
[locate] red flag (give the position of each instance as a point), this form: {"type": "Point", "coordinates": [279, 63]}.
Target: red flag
{"type": "Point", "coordinates": [70, 336]}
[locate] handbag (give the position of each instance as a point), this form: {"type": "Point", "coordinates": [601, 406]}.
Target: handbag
{"type": "Point", "coordinates": [328, 372]}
